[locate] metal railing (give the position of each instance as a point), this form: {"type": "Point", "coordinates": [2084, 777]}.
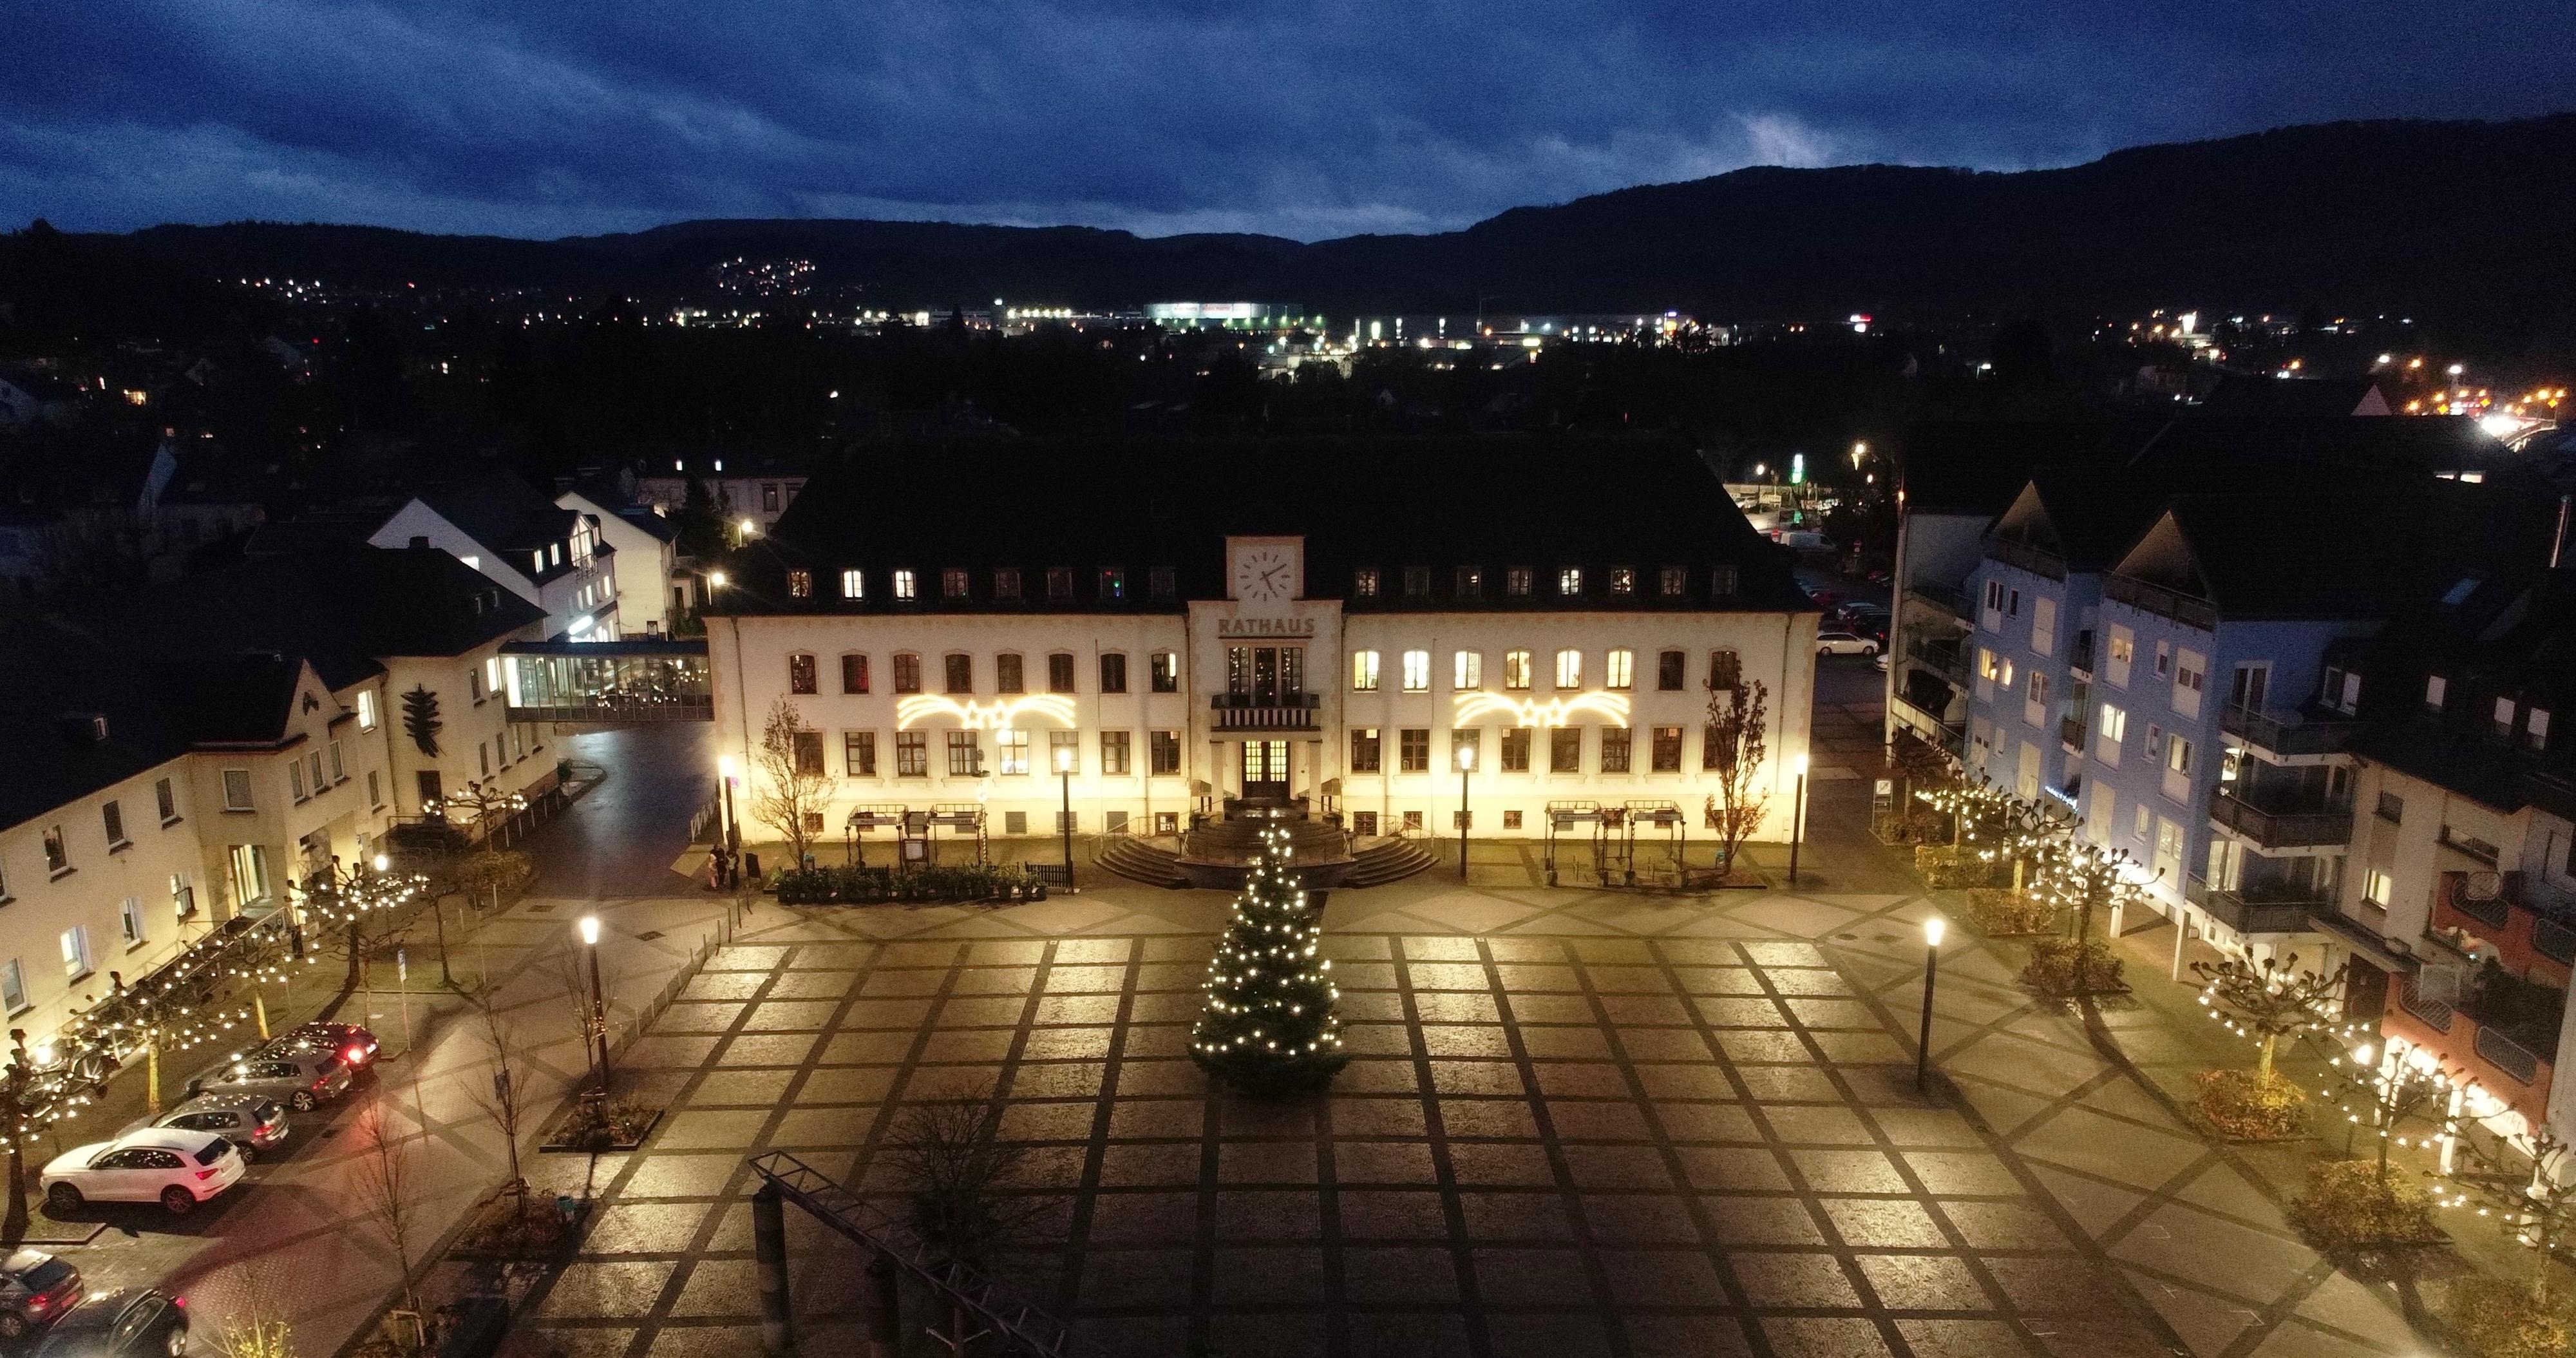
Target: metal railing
{"type": "Point", "coordinates": [2036, 560]}
{"type": "Point", "coordinates": [2507, 1055]}
{"type": "Point", "coordinates": [2162, 602]}
{"type": "Point", "coordinates": [2081, 657]}
{"type": "Point", "coordinates": [1246, 712]}
{"type": "Point", "coordinates": [2281, 829]}
{"type": "Point", "coordinates": [2432, 1013]}
{"type": "Point", "coordinates": [1943, 598]}
{"type": "Point", "coordinates": [1018, 1325]}
{"type": "Point", "coordinates": [2293, 735]}
{"type": "Point", "coordinates": [2283, 915]}
{"type": "Point", "coordinates": [1948, 660]}
{"type": "Point", "coordinates": [2070, 732]}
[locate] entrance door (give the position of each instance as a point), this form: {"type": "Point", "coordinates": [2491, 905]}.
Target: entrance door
{"type": "Point", "coordinates": [1265, 770]}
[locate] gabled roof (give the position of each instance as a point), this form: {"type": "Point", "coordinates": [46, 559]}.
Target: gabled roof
{"type": "Point", "coordinates": [343, 606]}
{"type": "Point", "coordinates": [502, 512]}
{"type": "Point", "coordinates": [2241, 395]}
{"type": "Point", "coordinates": [55, 758]}
{"type": "Point", "coordinates": [606, 501]}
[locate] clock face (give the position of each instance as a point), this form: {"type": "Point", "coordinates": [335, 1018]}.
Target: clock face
{"type": "Point", "coordinates": [1264, 574]}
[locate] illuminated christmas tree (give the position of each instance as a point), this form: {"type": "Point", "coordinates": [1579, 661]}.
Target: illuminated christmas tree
{"type": "Point", "coordinates": [1270, 1025]}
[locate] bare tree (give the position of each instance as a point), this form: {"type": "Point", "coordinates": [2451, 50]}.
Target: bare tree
{"type": "Point", "coordinates": [572, 964]}
{"type": "Point", "coordinates": [256, 1326]}
{"type": "Point", "coordinates": [794, 790]}
{"type": "Point", "coordinates": [2527, 1183]}
{"type": "Point", "coordinates": [2270, 1000]}
{"type": "Point", "coordinates": [1738, 746]}
{"type": "Point", "coordinates": [505, 1100]}
{"type": "Point", "coordinates": [387, 1181]}
{"type": "Point", "coordinates": [949, 1156]}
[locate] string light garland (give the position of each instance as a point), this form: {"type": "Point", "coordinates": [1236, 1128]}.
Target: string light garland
{"type": "Point", "coordinates": [1271, 1023]}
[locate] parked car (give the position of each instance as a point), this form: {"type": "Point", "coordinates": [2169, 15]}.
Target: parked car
{"type": "Point", "coordinates": [356, 1045]}
{"type": "Point", "coordinates": [35, 1289]}
{"type": "Point", "coordinates": [1827, 598]}
{"type": "Point", "coordinates": [1845, 643]}
{"type": "Point", "coordinates": [301, 1078]}
{"type": "Point", "coordinates": [252, 1122]}
{"type": "Point", "coordinates": [175, 1168]}
{"type": "Point", "coordinates": [1881, 662]}
{"type": "Point", "coordinates": [126, 1323]}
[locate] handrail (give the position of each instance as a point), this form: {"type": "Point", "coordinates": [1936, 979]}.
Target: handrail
{"type": "Point", "coordinates": [2163, 602]}
{"type": "Point", "coordinates": [2435, 1014]}
{"type": "Point", "coordinates": [2507, 1055]}
{"type": "Point", "coordinates": [1014, 1321]}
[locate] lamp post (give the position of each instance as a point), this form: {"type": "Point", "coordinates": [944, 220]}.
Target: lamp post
{"type": "Point", "coordinates": [1064, 818]}
{"type": "Point", "coordinates": [1933, 928]}
{"type": "Point", "coordinates": [598, 1004]}
{"type": "Point", "coordinates": [1466, 763]}
{"type": "Point", "coordinates": [1797, 817]}
{"type": "Point", "coordinates": [732, 826]}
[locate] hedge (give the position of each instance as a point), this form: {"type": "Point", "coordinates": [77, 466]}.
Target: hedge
{"type": "Point", "coordinates": [876, 886]}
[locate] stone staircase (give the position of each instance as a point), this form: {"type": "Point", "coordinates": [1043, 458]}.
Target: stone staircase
{"type": "Point", "coordinates": [1141, 860]}
{"type": "Point", "coordinates": [1381, 861]}
{"type": "Point", "coordinates": [1211, 852]}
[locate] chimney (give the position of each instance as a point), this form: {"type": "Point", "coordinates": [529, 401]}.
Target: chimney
{"type": "Point", "coordinates": [83, 728]}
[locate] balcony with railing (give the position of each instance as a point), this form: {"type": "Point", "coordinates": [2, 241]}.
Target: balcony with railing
{"type": "Point", "coordinates": [2494, 909]}
{"type": "Point", "coordinates": [2162, 602]}
{"type": "Point", "coordinates": [2294, 824]}
{"type": "Point", "coordinates": [2034, 559]}
{"type": "Point", "coordinates": [2276, 909]}
{"type": "Point", "coordinates": [1264, 711]}
{"type": "Point", "coordinates": [2070, 733]}
{"type": "Point", "coordinates": [1941, 599]}
{"type": "Point", "coordinates": [2080, 657]}
{"type": "Point", "coordinates": [2288, 733]}
{"type": "Point", "coordinates": [2498, 1032]}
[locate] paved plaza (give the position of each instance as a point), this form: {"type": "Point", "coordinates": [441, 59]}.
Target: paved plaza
{"type": "Point", "coordinates": [1576, 1123]}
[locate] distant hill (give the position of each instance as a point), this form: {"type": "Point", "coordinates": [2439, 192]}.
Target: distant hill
{"type": "Point", "coordinates": [2464, 220]}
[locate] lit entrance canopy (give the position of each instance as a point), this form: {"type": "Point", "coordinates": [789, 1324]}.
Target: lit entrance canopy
{"type": "Point", "coordinates": [640, 679]}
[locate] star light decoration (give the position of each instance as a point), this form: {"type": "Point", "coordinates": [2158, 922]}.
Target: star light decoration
{"type": "Point", "coordinates": [1270, 1014]}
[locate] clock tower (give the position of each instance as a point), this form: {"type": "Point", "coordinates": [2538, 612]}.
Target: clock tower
{"type": "Point", "coordinates": [1265, 570]}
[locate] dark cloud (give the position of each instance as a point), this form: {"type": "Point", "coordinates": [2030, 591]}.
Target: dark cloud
{"type": "Point", "coordinates": [546, 117]}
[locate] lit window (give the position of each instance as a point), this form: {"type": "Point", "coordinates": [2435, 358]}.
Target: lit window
{"type": "Point", "coordinates": [366, 709]}
{"type": "Point", "coordinates": [2504, 713]}
{"type": "Point", "coordinates": [1364, 582]}
{"type": "Point", "coordinates": [1167, 672]}
{"type": "Point", "coordinates": [1364, 671]}
{"type": "Point", "coordinates": [1113, 584]}
{"type": "Point", "coordinates": [1516, 669]}
{"type": "Point", "coordinates": [1673, 581]}
{"type": "Point", "coordinates": [903, 586]}
{"type": "Point", "coordinates": [1569, 581]}
{"type": "Point", "coordinates": [75, 942]}
{"type": "Point", "coordinates": [537, 560]}
{"type": "Point", "coordinates": [1623, 581]}
{"type": "Point", "coordinates": [1618, 668]}
{"type": "Point", "coordinates": [2535, 728]}
{"type": "Point", "coordinates": [1014, 746]}
{"type": "Point", "coordinates": [800, 584]}
{"type": "Point", "coordinates": [2434, 690]}
{"type": "Point", "coordinates": [1569, 669]}
{"type": "Point", "coordinates": [1417, 671]}
{"type": "Point", "coordinates": [13, 985]}
{"type": "Point", "coordinates": [1516, 582]}
{"type": "Point", "coordinates": [1471, 583]}
{"type": "Point", "coordinates": [952, 584]}
{"type": "Point", "coordinates": [1467, 671]}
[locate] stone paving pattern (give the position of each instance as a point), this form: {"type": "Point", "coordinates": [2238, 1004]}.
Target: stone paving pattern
{"type": "Point", "coordinates": [1576, 1123]}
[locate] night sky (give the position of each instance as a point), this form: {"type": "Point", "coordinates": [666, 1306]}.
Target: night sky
{"type": "Point", "coordinates": [1307, 119]}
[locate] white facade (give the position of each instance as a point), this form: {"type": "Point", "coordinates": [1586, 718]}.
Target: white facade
{"type": "Point", "coordinates": [641, 567]}
{"type": "Point", "coordinates": [85, 891]}
{"type": "Point", "coordinates": [1264, 694]}
{"type": "Point", "coordinates": [569, 579]}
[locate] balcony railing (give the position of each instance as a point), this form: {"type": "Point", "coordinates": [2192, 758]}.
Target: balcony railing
{"type": "Point", "coordinates": [2288, 735]}
{"type": "Point", "coordinates": [1941, 598]}
{"type": "Point", "coordinates": [2271, 915]}
{"type": "Point", "coordinates": [1264, 712]}
{"type": "Point", "coordinates": [1947, 660]}
{"type": "Point", "coordinates": [2070, 731]}
{"type": "Point", "coordinates": [2080, 659]}
{"type": "Point", "coordinates": [2157, 599]}
{"type": "Point", "coordinates": [2430, 1012]}
{"type": "Point", "coordinates": [2507, 1055]}
{"type": "Point", "coordinates": [2282, 829]}
{"type": "Point", "coordinates": [2036, 560]}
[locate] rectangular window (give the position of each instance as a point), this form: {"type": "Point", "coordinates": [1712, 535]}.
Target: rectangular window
{"type": "Point", "coordinates": [375, 790]}
{"type": "Point", "coordinates": [1516, 582]}
{"type": "Point", "coordinates": [907, 673]}
{"type": "Point", "coordinates": [317, 770]}
{"type": "Point", "coordinates": [340, 767]}
{"type": "Point", "coordinates": [1364, 749]}
{"type": "Point", "coordinates": [1614, 749]}
{"type": "Point", "coordinates": [13, 985]}
{"type": "Point", "coordinates": [904, 587]}
{"type": "Point", "coordinates": [1623, 581]}
{"type": "Point", "coordinates": [58, 855]}
{"type": "Point", "coordinates": [1725, 670]}
{"type": "Point", "coordinates": [112, 816]}
{"type": "Point", "coordinates": [2504, 719]}
{"type": "Point", "coordinates": [2392, 808]}
{"type": "Point", "coordinates": [1113, 752]}
{"type": "Point", "coordinates": [2535, 728]}
{"type": "Point", "coordinates": [1015, 822]}
{"type": "Point", "coordinates": [1162, 582]}
{"type": "Point", "coordinates": [1164, 748]}
{"type": "Point", "coordinates": [295, 778]}
{"type": "Point", "coordinates": [809, 752]}
{"type": "Point", "coordinates": [1364, 582]}
{"type": "Point", "coordinates": [129, 918]}
{"type": "Point", "coordinates": [2178, 754]}
{"type": "Point", "coordinates": [1060, 672]}
{"type": "Point", "coordinates": [366, 710]}
{"type": "Point", "coordinates": [1569, 669]}
{"type": "Point", "coordinates": [75, 941]}
{"type": "Point", "coordinates": [854, 585]}
{"type": "Point", "coordinates": [1618, 668]}
{"type": "Point", "coordinates": [1668, 671]}
{"type": "Point", "coordinates": [800, 674]}
{"type": "Point", "coordinates": [1565, 749]}
{"type": "Point", "coordinates": [859, 753]}
{"type": "Point", "coordinates": [474, 686]}
{"type": "Point", "coordinates": [1569, 581]}
{"type": "Point", "coordinates": [2164, 658]}
{"type": "Point", "coordinates": [2043, 625]}
{"type": "Point", "coordinates": [1417, 582]}
{"type": "Point", "coordinates": [1466, 742]}
{"type": "Point", "coordinates": [1059, 583]}
{"type": "Point", "coordinates": [1113, 673]}
{"type": "Point", "coordinates": [1113, 584]}
{"type": "Point", "coordinates": [482, 755]}
{"type": "Point", "coordinates": [1516, 669]}
{"type": "Point", "coordinates": [952, 583]}
{"type": "Point", "coordinates": [1467, 670]}
{"type": "Point", "coordinates": [2378, 888]}
{"type": "Point", "coordinates": [1674, 579]}
{"type": "Point", "coordinates": [237, 790]}
{"type": "Point", "coordinates": [800, 584]}
{"type": "Point", "coordinates": [1013, 743]}
{"type": "Point", "coordinates": [166, 798]}
{"type": "Point", "coordinates": [1413, 749]}
{"type": "Point", "coordinates": [2190, 670]}
{"type": "Point", "coordinates": [1470, 583]}
{"type": "Point", "coordinates": [1064, 752]}
{"type": "Point", "coordinates": [1166, 672]}
{"type": "Point", "coordinates": [854, 674]}
{"type": "Point", "coordinates": [1721, 582]}
{"type": "Point", "coordinates": [2435, 688]}
{"type": "Point", "coordinates": [965, 755]}
{"type": "Point", "coordinates": [1667, 750]}
{"type": "Point", "coordinates": [958, 672]}
{"type": "Point", "coordinates": [1006, 583]}
{"type": "Point", "coordinates": [2140, 820]}
{"type": "Point", "coordinates": [911, 754]}
{"type": "Point", "coordinates": [1412, 820]}
{"type": "Point", "coordinates": [1364, 671]}
{"type": "Point", "coordinates": [1417, 671]}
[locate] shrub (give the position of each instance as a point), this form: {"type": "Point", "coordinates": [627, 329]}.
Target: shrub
{"type": "Point", "coordinates": [2244, 1106]}
{"type": "Point", "coordinates": [2000, 912]}
{"type": "Point", "coordinates": [2060, 968]}
{"type": "Point", "coordinates": [2349, 1204]}
{"type": "Point", "coordinates": [872, 885]}
{"type": "Point", "coordinates": [622, 1120]}
{"type": "Point", "coordinates": [2495, 1318]}
{"type": "Point", "coordinates": [1945, 866]}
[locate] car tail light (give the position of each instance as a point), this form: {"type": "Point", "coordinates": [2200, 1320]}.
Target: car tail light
{"type": "Point", "coordinates": [38, 1303]}
{"type": "Point", "coordinates": [204, 1174]}
{"type": "Point", "coordinates": [357, 1056]}
{"type": "Point", "coordinates": [180, 1302]}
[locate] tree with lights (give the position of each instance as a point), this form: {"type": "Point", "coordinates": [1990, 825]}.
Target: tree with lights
{"type": "Point", "coordinates": [363, 905]}
{"type": "Point", "coordinates": [2351, 1202]}
{"type": "Point", "coordinates": [2527, 1186]}
{"type": "Point", "coordinates": [1270, 1025]}
{"type": "Point", "coordinates": [2265, 1001]}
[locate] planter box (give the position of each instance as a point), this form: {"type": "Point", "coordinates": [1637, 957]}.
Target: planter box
{"type": "Point", "coordinates": [551, 1146]}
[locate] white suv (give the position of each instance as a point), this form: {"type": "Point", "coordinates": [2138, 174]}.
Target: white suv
{"type": "Point", "coordinates": [168, 1165]}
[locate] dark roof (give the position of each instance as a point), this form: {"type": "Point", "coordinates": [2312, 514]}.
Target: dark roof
{"type": "Point", "coordinates": [1494, 502]}
{"type": "Point", "coordinates": [2513, 636]}
{"type": "Point", "coordinates": [292, 537]}
{"type": "Point", "coordinates": [343, 607]}
{"type": "Point", "coordinates": [502, 512]}
{"type": "Point", "coordinates": [662, 527]}
{"type": "Point", "coordinates": [2241, 395]}
{"type": "Point", "coordinates": [54, 760]}
{"type": "Point", "coordinates": [608, 497]}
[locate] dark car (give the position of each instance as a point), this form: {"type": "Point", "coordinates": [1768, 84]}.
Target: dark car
{"type": "Point", "coordinates": [355, 1045]}
{"type": "Point", "coordinates": [252, 1122]}
{"type": "Point", "coordinates": [127, 1323]}
{"type": "Point", "coordinates": [35, 1289]}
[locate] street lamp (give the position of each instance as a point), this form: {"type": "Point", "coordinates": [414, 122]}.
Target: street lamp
{"type": "Point", "coordinates": [732, 826]}
{"type": "Point", "coordinates": [598, 1004]}
{"type": "Point", "coordinates": [1466, 763]}
{"type": "Point", "coordinates": [1064, 819]}
{"type": "Point", "coordinates": [1933, 928]}
{"type": "Point", "coordinates": [1797, 816]}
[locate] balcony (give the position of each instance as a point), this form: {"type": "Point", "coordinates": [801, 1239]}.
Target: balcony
{"type": "Point", "coordinates": [2504, 1039]}
{"type": "Point", "coordinates": [2036, 560]}
{"type": "Point", "coordinates": [2283, 828]}
{"type": "Point", "coordinates": [1264, 711]}
{"type": "Point", "coordinates": [1946, 659]}
{"type": "Point", "coordinates": [2070, 732]}
{"type": "Point", "coordinates": [2273, 912]}
{"type": "Point", "coordinates": [2288, 735]}
{"type": "Point", "coordinates": [1942, 599]}
{"type": "Point", "coordinates": [2080, 659]}
{"type": "Point", "coordinates": [2162, 602]}
{"type": "Point", "coordinates": [1951, 737]}
{"type": "Point", "coordinates": [2527, 941]}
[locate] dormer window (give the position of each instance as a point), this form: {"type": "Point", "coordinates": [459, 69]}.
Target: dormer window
{"type": "Point", "coordinates": [1113, 584]}
{"type": "Point", "coordinates": [904, 587]}
{"type": "Point", "coordinates": [2504, 723]}
{"type": "Point", "coordinates": [1364, 582]}
{"type": "Point", "coordinates": [854, 585]}
{"type": "Point", "coordinates": [1675, 580]}
{"type": "Point", "coordinates": [2535, 728]}
{"type": "Point", "coordinates": [1161, 582]}
{"type": "Point", "coordinates": [1006, 583]}
{"type": "Point", "coordinates": [1516, 582]}
{"type": "Point", "coordinates": [1471, 583]}
{"type": "Point", "coordinates": [1059, 582]}
{"type": "Point", "coordinates": [1623, 581]}
{"type": "Point", "coordinates": [952, 583]}
{"type": "Point", "coordinates": [1721, 582]}
{"type": "Point", "coordinates": [1417, 582]}
{"type": "Point", "coordinates": [537, 562]}
{"type": "Point", "coordinates": [2434, 690]}
{"type": "Point", "coordinates": [1569, 582]}
{"type": "Point", "coordinates": [800, 584]}
{"type": "Point", "coordinates": [2341, 690]}
{"type": "Point", "coordinates": [555, 550]}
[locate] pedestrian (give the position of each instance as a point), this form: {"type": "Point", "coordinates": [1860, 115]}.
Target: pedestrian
{"type": "Point", "coordinates": [715, 869]}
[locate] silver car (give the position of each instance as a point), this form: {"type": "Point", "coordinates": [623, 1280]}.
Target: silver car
{"type": "Point", "coordinates": [252, 1122]}
{"type": "Point", "coordinates": [299, 1079]}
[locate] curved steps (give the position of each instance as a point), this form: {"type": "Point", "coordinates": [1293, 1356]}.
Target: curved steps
{"type": "Point", "coordinates": [1386, 860]}
{"type": "Point", "coordinates": [1139, 860]}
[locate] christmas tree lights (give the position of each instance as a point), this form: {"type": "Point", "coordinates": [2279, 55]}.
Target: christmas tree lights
{"type": "Point", "coordinates": [1271, 1025]}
